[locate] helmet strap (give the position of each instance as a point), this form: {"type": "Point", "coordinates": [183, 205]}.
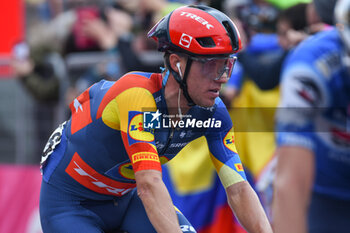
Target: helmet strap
{"type": "Point", "coordinates": [182, 82]}
{"type": "Point", "coordinates": [178, 104]}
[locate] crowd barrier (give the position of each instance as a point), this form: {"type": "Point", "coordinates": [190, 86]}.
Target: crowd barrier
{"type": "Point", "coordinates": [19, 199]}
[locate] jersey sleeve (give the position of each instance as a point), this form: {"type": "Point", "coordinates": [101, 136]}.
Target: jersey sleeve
{"type": "Point", "coordinates": [125, 113]}
{"type": "Point", "coordinates": [303, 98]}
{"type": "Point", "coordinates": [223, 151]}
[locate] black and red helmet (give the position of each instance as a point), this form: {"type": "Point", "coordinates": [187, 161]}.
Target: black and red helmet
{"type": "Point", "coordinates": [197, 31]}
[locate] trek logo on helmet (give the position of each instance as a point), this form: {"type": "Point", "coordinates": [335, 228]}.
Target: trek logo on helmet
{"type": "Point", "coordinates": [197, 18]}
{"type": "Point", "coordinates": [185, 40]}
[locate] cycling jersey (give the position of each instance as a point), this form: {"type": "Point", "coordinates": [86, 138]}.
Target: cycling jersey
{"type": "Point", "coordinates": [315, 110]}
{"type": "Point", "coordinates": [89, 161]}
{"type": "Point", "coordinates": [105, 140]}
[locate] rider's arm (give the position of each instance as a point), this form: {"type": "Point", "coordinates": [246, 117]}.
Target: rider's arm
{"type": "Point", "coordinates": [157, 201]}
{"type": "Point", "coordinates": [293, 183]}
{"type": "Point", "coordinates": [245, 204]}
{"type": "Point", "coordinates": [241, 197]}
{"type": "Point", "coordinates": [302, 97]}
{"type": "Point", "coordinates": [140, 146]}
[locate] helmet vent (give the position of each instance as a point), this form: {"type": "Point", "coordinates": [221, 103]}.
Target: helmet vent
{"type": "Point", "coordinates": [207, 42]}
{"type": "Point", "coordinates": [231, 34]}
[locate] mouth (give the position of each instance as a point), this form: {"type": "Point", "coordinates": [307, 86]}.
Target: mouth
{"type": "Point", "coordinates": [215, 91]}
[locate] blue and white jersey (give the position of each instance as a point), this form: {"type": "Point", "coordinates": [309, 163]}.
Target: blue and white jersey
{"type": "Point", "coordinates": [314, 109]}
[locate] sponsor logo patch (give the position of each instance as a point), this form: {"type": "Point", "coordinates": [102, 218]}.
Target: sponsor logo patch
{"type": "Point", "coordinates": [229, 141]}
{"type": "Point", "coordinates": [126, 171]}
{"type": "Point", "coordinates": [91, 179]}
{"type": "Point", "coordinates": [145, 156]}
{"type": "Point", "coordinates": [185, 40]}
{"type": "Point", "coordinates": [136, 131]}
{"type": "Point", "coordinates": [239, 167]}
{"type": "Point", "coordinates": [197, 18]}
{"type": "Point", "coordinates": [309, 91]}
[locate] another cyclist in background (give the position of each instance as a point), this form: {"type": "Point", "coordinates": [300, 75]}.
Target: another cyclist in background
{"type": "Point", "coordinates": [312, 188]}
{"type": "Point", "coordinates": [102, 168]}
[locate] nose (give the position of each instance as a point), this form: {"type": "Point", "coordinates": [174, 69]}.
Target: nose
{"type": "Point", "coordinates": [223, 79]}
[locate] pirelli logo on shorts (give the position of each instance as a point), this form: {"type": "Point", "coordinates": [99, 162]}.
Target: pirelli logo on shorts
{"type": "Point", "coordinates": [239, 167]}
{"type": "Point", "coordinates": [145, 156]}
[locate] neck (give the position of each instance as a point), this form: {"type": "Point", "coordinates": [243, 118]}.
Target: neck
{"type": "Point", "coordinates": [171, 97]}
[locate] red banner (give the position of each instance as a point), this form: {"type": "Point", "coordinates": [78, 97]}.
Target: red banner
{"type": "Point", "coordinates": [12, 31]}
{"type": "Point", "coordinates": [19, 199]}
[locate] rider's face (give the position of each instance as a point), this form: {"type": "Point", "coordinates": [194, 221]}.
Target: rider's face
{"type": "Point", "coordinates": [202, 88]}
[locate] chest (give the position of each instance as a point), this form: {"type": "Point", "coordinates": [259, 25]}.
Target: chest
{"type": "Point", "coordinates": [170, 142]}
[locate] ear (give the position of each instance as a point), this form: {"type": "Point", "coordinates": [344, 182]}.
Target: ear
{"type": "Point", "coordinates": [173, 60]}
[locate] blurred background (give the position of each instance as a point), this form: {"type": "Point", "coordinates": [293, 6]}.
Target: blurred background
{"type": "Point", "coordinates": [51, 50]}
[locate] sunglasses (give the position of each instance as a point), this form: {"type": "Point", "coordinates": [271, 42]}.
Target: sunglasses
{"type": "Point", "coordinates": [216, 68]}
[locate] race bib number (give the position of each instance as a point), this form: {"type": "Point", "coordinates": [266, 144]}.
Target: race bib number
{"type": "Point", "coordinates": [52, 143]}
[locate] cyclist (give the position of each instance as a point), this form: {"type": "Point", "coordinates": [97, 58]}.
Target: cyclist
{"type": "Point", "coordinates": [312, 189]}
{"type": "Point", "coordinates": [102, 168]}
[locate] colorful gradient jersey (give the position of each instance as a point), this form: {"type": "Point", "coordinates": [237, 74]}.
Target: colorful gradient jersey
{"type": "Point", "coordinates": [105, 141]}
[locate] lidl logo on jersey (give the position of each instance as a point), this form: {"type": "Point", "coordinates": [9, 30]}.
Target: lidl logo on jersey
{"type": "Point", "coordinates": [136, 131]}
{"type": "Point", "coordinates": [229, 141]}
{"type": "Point", "coordinates": [152, 120]}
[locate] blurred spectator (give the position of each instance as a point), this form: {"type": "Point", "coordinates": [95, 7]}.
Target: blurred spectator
{"type": "Point", "coordinates": [91, 46]}
{"type": "Point", "coordinates": [262, 58]}
{"type": "Point", "coordinates": [254, 17]}
{"type": "Point", "coordinates": [132, 45]}
{"type": "Point", "coordinates": [296, 23]}
{"type": "Point", "coordinates": [325, 10]}
{"type": "Point", "coordinates": [39, 65]}
{"type": "Point", "coordinates": [36, 69]}
{"type": "Point", "coordinates": [35, 72]}
{"type": "Point", "coordinates": [292, 25]}
{"type": "Point", "coordinates": [314, 22]}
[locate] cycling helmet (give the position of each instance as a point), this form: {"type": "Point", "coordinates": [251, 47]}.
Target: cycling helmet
{"type": "Point", "coordinates": [195, 31]}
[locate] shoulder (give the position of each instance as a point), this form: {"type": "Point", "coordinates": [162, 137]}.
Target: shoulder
{"type": "Point", "coordinates": [321, 52]}
{"type": "Point", "coordinates": [309, 69]}
{"type": "Point", "coordinates": [218, 110]}
{"type": "Point", "coordinates": [135, 82]}
{"type": "Point", "coordinates": [319, 43]}
{"type": "Point", "coordinates": [218, 113]}
{"type": "Point", "coordinates": [149, 81]}
{"type": "Point", "coordinates": [132, 90]}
